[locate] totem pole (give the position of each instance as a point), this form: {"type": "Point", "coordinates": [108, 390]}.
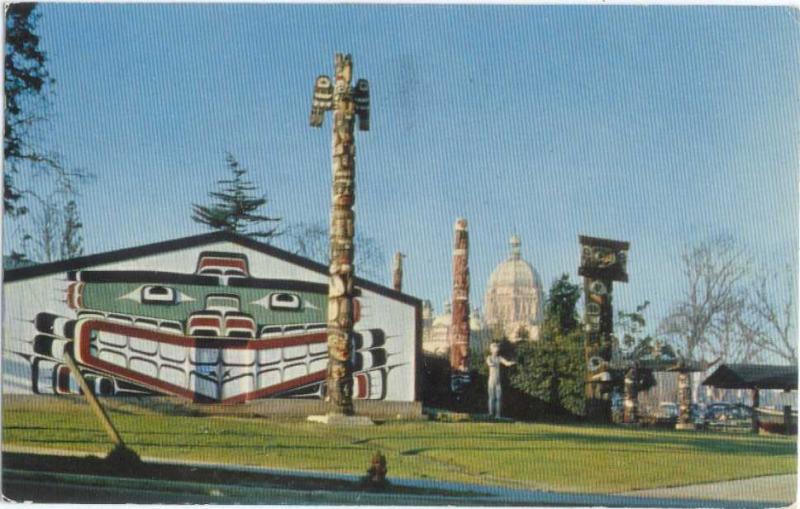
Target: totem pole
{"type": "Point", "coordinates": [459, 329]}
{"type": "Point", "coordinates": [630, 409]}
{"type": "Point", "coordinates": [346, 102]}
{"type": "Point", "coordinates": [397, 271]}
{"type": "Point", "coordinates": [684, 399]}
{"type": "Point", "coordinates": [602, 262]}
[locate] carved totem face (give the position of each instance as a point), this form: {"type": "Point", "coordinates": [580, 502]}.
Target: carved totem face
{"type": "Point", "coordinates": [603, 259]}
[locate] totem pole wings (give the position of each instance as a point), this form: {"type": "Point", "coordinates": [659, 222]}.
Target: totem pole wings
{"type": "Point", "coordinates": [322, 101]}
{"type": "Point", "coordinates": [361, 98]}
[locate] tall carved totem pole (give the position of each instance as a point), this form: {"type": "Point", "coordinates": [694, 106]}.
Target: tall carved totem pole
{"type": "Point", "coordinates": [630, 408]}
{"type": "Point", "coordinates": [603, 261]}
{"type": "Point", "coordinates": [346, 102]}
{"type": "Point", "coordinates": [459, 329]}
{"type": "Point", "coordinates": [397, 271]}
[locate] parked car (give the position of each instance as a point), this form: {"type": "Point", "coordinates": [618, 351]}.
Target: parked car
{"type": "Point", "coordinates": [697, 414]}
{"type": "Point", "coordinates": [728, 417]}
{"type": "Point", "coordinates": [666, 415]}
{"type": "Point", "coordinates": [668, 410]}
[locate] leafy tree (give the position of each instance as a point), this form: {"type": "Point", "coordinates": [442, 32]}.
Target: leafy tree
{"type": "Point", "coordinates": [553, 368]}
{"type": "Point", "coordinates": [636, 344]}
{"type": "Point", "coordinates": [236, 206]}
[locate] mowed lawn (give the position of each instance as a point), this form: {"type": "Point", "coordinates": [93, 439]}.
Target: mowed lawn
{"type": "Point", "coordinates": [565, 457]}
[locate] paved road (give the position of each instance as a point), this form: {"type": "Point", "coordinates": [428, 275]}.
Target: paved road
{"type": "Point", "coordinates": [781, 489]}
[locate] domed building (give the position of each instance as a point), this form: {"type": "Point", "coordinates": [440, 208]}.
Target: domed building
{"type": "Point", "coordinates": [436, 330]}
{"type": "Point", "coordinates": [438, 341]}
{"type": "Point", "coordinates": [514, 297]}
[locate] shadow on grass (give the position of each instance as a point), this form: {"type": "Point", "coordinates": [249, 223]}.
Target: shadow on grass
{"type": "Point", "coordinates": [683, 441]}
{"type": "Point", "coordinates": [631, 441]}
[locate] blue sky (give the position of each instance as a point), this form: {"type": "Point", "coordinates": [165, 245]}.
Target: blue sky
{"type": "Point", "coordinates": [662, 126]}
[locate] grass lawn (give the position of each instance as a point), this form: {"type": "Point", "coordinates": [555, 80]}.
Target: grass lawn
{"type": "Point", "coordinates": [577, 458]}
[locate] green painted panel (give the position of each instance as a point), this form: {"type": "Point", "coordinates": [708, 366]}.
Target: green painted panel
{"type": "Point", "coordinates": [124, 298]}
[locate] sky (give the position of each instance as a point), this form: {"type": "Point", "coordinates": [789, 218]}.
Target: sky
{"type": "Point", "coordinates": [662, 126]}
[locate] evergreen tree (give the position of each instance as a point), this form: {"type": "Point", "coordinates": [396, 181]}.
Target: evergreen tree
{"type": "Point", "coordinates": [26, 81]}
{"type": "Point", "coordinates": [553, 368]}
{"type": "Point", "coordinates": [71, 238]}
{"type": "Point", "coordinates": [560, 307]}
{"type": "Point", "coordinates": [236, 206]}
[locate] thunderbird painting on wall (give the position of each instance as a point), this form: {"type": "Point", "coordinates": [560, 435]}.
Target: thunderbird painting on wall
{"type": "Point", "coordinates": [217, 334]}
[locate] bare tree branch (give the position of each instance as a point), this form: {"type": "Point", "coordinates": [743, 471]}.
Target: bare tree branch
{"type": "Point", "coordinates": [704, 321]}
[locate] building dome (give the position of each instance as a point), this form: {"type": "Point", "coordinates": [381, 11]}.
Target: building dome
{"type": "Point", "coordinates": [514, 273]}
{"type": "Point", "coordinates": [446, 318]}
{"type": "Point", "coordinates": [435, 338]}
{"type": "Point", "coordinates": [514, 295]}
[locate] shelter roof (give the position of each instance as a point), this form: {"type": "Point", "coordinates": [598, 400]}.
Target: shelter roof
{"type": "Point", "coordinates": [753, 376]}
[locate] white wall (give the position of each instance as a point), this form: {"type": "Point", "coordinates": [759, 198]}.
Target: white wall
{"type": "Point", "coordinates": [23, 299]}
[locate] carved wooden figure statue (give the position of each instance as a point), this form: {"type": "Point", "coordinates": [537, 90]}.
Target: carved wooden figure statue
{"type": "Point", "coordinates": [346, 102]}
{"type": "Point", "coordinates": [494, 360]}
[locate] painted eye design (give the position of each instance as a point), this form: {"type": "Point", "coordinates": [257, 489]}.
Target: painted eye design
{"type": "Point", "coordinates": [595, 363]}
{"type": "Point", "coordinates": [284, 301]}
{"type": "Point", "coordinates": [598, 287]}
{"type": "Point", "coordinates": [152, 294]}
{"type": "Point", "coordinates": [604, 258]}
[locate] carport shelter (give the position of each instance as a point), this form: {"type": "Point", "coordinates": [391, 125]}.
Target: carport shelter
{"type": "Point", "coordinates": [755, 377]}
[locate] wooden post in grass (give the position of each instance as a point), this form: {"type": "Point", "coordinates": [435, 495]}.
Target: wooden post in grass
{"type": "Point", "coordinates": [787, 419]}
{"type": "Point", "coordinates": [101, 415]}
{"type": "Point", "coordinates": [756, 404]}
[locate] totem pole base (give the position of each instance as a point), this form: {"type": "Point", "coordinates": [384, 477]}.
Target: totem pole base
{"type": "Point", "coordinates": [341, 420]}
{"type": "Point", "coordinates": [685, 426]}
{"type": "Point", "coordinates": [598, 411]}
